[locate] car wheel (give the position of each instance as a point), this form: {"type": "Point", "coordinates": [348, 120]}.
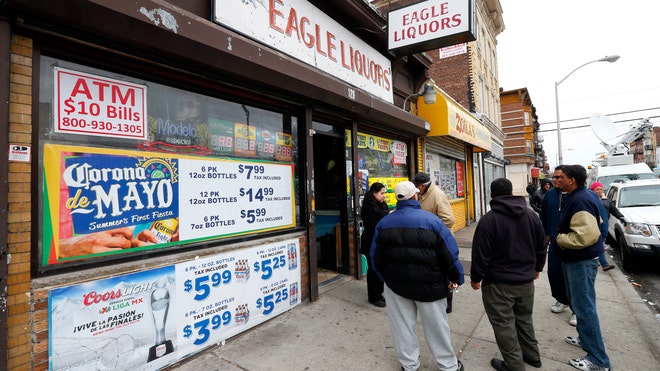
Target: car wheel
{"type": "Point", "coordinates": [627, 259]}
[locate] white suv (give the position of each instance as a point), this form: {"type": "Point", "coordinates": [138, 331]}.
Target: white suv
{"type": "Point", "coordinates": [639, 237]}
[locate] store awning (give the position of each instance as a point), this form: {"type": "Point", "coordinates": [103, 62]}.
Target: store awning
{"type": "Point", "coordinates": [447, 117]}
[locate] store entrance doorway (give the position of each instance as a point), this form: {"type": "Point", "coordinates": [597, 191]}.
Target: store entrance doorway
{"type": "Point", "coordinates": [330, 190]}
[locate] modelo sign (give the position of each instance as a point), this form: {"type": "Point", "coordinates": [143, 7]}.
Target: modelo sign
{"type": "Point", "coordinates": [430, 25]}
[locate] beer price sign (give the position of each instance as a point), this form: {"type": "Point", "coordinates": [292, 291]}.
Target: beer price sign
{"type": "Point", "coordinates": [92, 105]}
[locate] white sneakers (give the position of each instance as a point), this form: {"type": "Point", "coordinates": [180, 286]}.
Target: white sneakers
{"type": "Point", "coordinates": [586, 365]}
{"type": "Point", "coordinates": [558, 307]}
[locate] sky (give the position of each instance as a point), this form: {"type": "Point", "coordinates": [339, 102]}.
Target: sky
{"type": "Point", "coordinates": [544, 41]}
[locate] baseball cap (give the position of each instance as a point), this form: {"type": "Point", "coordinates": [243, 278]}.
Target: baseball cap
{"type": "Point", "coordinates": [421, 178]}
{"type": "Point", "coordinates": [405, 190]}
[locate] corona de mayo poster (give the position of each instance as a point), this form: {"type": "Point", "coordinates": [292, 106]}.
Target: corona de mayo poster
{"type": "Point", "coordinates": [105, 201]}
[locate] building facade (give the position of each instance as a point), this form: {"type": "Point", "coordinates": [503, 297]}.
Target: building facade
{"type": "Point", "coordinates": [469, 74]}
{"type": "Point", "coordinates": [522, 146]}
{"type": "Point", "coordinates": [453, 151]}
{"type": "Point", "coordinates": [180, 171]}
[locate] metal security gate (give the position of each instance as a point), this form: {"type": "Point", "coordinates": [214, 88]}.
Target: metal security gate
{"type": "Point", "coordinates": [446, 145]}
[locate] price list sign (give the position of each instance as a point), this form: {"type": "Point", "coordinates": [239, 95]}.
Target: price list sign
{"type": "Point", "coordinates": [93, 105]}
{"type": "Point", "coordinates": [233, 197]}
{"type": "Point", "coordinates": [227, 294]}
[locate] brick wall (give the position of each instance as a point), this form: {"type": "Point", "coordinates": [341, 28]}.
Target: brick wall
{"type": "Point", "coordinates": [452, 75]}
{"type": "Point", "coordinates": [19, 339]}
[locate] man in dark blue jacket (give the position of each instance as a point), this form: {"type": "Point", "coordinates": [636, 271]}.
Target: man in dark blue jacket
{"type": "Point", "coordinates": [579, 242]}
{"type": "Point", "coordinates": [550, 209]}
{"type": "Point", "coordinates": [508, 254]}
{"type": "Point", "coordinates": [416, 255]}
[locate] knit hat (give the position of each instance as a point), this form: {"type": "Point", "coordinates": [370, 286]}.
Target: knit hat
{"type": "Point", "coordinates": [421, 178]}
{"type": "Point", "coordinates": [595, 184]}
{"type": "Point", "coordinates": [405, 190]}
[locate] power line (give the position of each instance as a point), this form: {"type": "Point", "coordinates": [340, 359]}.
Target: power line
{"type": "Point", "coordinates": [611, 114]}
{"type": "Point", "coordinates": [586, 118]}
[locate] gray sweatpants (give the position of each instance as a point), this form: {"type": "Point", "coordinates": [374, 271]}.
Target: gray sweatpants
{"type": "Point", "coordinates": [402, 315]}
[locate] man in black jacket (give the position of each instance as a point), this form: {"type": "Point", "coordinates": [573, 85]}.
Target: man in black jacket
{"type": "Point", "coordinates": [508, 253]}
{"type": "Point", "coordinates": [536, 200]}
{"type": "Point", "coordinates": [416, 255]}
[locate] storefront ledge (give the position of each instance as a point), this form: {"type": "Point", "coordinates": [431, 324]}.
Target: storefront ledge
{"type": "Point", "coordinates": [328, 285]}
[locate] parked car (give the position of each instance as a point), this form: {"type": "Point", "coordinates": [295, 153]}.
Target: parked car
{"type": "Point", "coordinates": [639, 237]}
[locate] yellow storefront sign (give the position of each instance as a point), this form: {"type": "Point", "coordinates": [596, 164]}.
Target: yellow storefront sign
{"type": "Point", "coordinates": [447, 117]}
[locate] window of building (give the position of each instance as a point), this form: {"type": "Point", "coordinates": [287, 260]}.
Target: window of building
{"type": "Point", "coordinates": [131, 166]}
{"type": "Point", "coordinates": [528, 147]}
{"type": "Point", "coordinates": [481, 94]}
{"type": "Point", "coordinates": [382, 160]}
{"type": "Point", "coordinates": [528, 121]}
{"type": "Point", "coordinates": [447, 173]}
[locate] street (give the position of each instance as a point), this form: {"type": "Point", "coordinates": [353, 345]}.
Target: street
{"type": "Point", "coordinates": [645, 281]}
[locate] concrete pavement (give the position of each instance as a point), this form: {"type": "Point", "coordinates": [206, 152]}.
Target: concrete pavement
{"type": "Point", "coordinates": [342, 331]}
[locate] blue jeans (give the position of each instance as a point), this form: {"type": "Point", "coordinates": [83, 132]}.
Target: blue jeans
{"type": "Point", "coordinates": [580, 277]}
{"type": "Point", "coordinates": [603, 260]}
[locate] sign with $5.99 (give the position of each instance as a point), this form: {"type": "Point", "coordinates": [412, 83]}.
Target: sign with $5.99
{"type": "Point", "coordinates": [226, 294]}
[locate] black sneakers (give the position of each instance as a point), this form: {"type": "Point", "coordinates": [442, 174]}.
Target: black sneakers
{"type": "Point", "coordinates": [498, 364]}
{"type": "Point", "coordinates": [536, 364]}
{"type": "Point", "coordinates": [379, 303]}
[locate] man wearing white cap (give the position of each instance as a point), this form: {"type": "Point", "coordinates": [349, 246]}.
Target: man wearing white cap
{"type": "Point", "coordinates": [433, 199]}
{"type": "Point", "coordinates": [415, 254]}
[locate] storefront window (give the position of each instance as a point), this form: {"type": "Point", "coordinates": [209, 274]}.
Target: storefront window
{"type": "Point", "coordinates": [447, 173]}
{"type": "Point", "coordinates": [381, 160]}
{"type": "Point", "coordinates": [130, 165]}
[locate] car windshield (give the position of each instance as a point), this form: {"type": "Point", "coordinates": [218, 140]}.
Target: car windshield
{"type": "Point", "coordinates": [606, 180]}
{"type": "Point", "coordinates": [648, 195]}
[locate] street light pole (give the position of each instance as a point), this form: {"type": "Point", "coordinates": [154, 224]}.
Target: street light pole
{"type": "Point", "coordinates": [611, 59]}
{"type": "Point", "coordinates": [557, 155]}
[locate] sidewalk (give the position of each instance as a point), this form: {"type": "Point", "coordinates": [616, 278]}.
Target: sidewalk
{"type": "Point", "coordinates": [342, 331]}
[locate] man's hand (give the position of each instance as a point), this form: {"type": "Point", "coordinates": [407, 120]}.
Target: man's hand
{"type": "Point", "coordinates": [97, 242]}
{"type": "Point", "coordinates": [144, 238]}
{"type": "Point", "coordinates": [475, 285]}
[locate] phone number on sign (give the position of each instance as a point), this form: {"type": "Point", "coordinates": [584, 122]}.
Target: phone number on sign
{"type": "Point", "coordinates": [101, 126]}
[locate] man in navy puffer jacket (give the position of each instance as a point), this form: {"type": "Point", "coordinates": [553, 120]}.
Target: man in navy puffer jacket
{"type": "Point", "coordinates": [416, 255]}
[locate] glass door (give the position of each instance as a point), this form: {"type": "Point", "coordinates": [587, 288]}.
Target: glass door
{"type": "Point", "coordinates": [330, 188]}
